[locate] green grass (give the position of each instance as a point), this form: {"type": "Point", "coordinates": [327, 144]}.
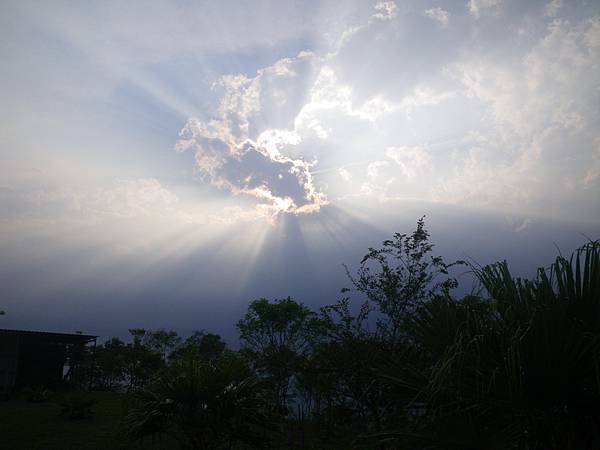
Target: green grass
{"type": "Point", "coordinates": [40, 426]}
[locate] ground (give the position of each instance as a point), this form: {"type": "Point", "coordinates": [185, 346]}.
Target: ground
{"type": "Point", "coordinates": [40, 426]}
{"type": "Point", "coordinates": [25, 425]}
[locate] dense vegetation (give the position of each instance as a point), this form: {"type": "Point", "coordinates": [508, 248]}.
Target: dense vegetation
{"type": "Point", "coordinates": [398, 363]}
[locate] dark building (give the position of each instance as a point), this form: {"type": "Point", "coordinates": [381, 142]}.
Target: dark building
{"type": "Point", "coordinates": [38, 359]}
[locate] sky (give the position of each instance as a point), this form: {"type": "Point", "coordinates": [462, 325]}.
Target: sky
{"type": "Point", "coordinates": [163, 163]}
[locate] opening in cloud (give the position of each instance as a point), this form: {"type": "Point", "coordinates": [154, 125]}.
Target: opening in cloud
{"type": "Point", "coordinates": [279, 184]}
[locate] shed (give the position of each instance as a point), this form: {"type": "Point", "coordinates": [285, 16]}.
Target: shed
{"type": "Point", "coordinates": [38, 358]}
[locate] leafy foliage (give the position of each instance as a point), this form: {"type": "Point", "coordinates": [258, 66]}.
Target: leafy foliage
{"type": "Point", "coordinates": [275, 337]}
{"type": "Point", "coordinates": [519, 370]}
{"type": "Point", "coordinates": [202, 404]}
{"type": "Point", "coordinates": [410, 366]}
{"type": "Point", "coordinates": [399, 277]}
{"type": "Point", "coordinates": [200, 345]}
{"type": "Point", "coordinates": [110, 359]}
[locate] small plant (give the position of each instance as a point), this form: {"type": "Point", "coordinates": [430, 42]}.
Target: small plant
{"type": "Point", "coordinates": [37, 394]}
{"type": "Point", "coordinates": [77, 407]}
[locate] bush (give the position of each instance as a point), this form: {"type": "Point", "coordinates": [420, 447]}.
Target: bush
{"type": "Point", "coordinates": [201, 404]}
{"type": "Point", "coordinates": [37, 394]}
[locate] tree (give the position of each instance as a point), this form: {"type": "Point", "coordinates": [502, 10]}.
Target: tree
{"type": "Point", "coordinates": [399, 277]}
{"type": "Point", "coordinates": [394, 280]}
{"type": "Point", "coordinates": [343, 365]}
{"type": "Point", "coordinates": [275, 336]}
{"type": "Point", "coordinates": [518, 369]}
{"type": "Point", "coordinates": [159, 341]}
{"type": "Point", "coordinates": [109, 363]}
{"type": "Point", "coordinates": [200, 345]}
{"type": "Point", "coordinates": [141, 362]}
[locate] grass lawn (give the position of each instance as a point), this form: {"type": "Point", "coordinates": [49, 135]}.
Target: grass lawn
{"type": "Point", "coordinates": [39, 426]}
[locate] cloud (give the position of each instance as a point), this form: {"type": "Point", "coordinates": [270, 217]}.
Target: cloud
{"type": "Point", "coordinates": [234, 153]}
{"type": "Point", "coordinates": [592, 34]}
{"type": "Point", "coordinates": [142, 198]}
{"type": "Point", "coordinates": [410, 159]}
{"type": "Point", "coordinates": [373, 169]}
{"type": "Point", "coordinates": [477, 7]}
{"type": "Point", "coordinates": [553, 7]}
{"type": "Point", "coordinates": [439, 15]}
{"type": "Point", "coordinates": [493, 106]}
{"type": "Point", "coordinates": [345, 174]}
{"type": "Point", "coordinates": [466, 127]}
{"type": "Point", "coordinates": [246, 148]}
{"type": "Point", "coordinates": [279, 183]}
{"type": "Point", "coordinates": [385, 10]}
{"type": "Point", "coordinates": [329, 94]}
{"type": "Point", "coordinates": [539, 123]}
{"type": "Point", "coordinates": [592, 176]}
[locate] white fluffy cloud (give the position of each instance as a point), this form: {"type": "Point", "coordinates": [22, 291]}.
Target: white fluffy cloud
{"type": "Point", "coordinates": [385, 10]}
{"type": "Point", "coordinates": [536, 140]}
{"type": "Point", "coordinates": [487, 102]}
{"type": "Point", "coordinates": [455, 127]}
{"type": "Point", "coordinates": [236, 152]}
{"type": "Point", "coordinates": [411, 160]}
{"type": "Point", "coordinates": [439, 15]}
{"type": "Point", "coordinates": [553, 7]}
{"type": "Point", "coordinates": [478, 7]}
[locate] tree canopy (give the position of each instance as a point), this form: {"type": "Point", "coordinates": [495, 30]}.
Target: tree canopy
{"type": "Point", "coordinates": [399, 362]}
